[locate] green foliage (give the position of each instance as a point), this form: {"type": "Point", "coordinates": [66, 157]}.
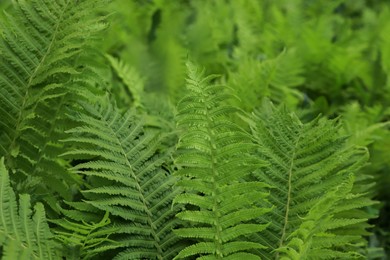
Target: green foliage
{"type": "Point", "coordinates": [130, 151]}
{"type": "Point", "coordinates": [24, 234]}
{"type": "Point", "coordinates": [214, 155]}
{"type": "Point", "coordinates": [126, 179]}
{"type": "Point", "coordinates": [40, 45]}
{"type": "Point", "coordinates": [133, 83]}
{"type": "Point", "coordinates": [84, 240]}
{"type": "Point", "coordinates": [274, 78]}
{"type": "Point", "coordinates": [318, 213]}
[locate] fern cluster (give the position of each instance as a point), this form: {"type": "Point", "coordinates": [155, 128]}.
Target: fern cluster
{"type": "Point", "coordinates": [132, 135]}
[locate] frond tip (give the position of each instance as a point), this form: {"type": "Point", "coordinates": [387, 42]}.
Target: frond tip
{"type": "Point", "coordinates": [214, 157]}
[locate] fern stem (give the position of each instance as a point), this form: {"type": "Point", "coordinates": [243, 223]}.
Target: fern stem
{"type": "Point", "coordinates": [286, 216]}
{"type": "Point", "coordinates": [218, 238]}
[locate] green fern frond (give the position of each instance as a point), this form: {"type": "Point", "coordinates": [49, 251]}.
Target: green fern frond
{"type": "Point", "coordinates": [40, 44]}
{"type": "Point", "coordinates": [40, 41]}
{"type": "Point", "coordinates": [275, 78]}
{"type": "Point", "coordinates": [214, 157]}
{"type": "Point", "coordinates": [363, 124]}
{"type": "Point", "coordinates": [23, 235]}
{"type": "Point", "coordinates": [307, 162]}
{"type": "Point", "coordinates": [311, 240]}
{"type": "Point", "coordinates": [126, 179]}
{"type": "Point", "coordinates": [131, 79]}
{"type": "Point", "coordinates": [88, 239]}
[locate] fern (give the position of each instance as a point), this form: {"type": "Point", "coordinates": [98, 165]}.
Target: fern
{"type": "Point", "coordinates": [41, 43]}
{"type": "Point", "coordinates": [306, 162]}
{"type": "Point", "coordinates": [274, 78]}
{"type": "Point", "coordinates": [384, 46]}
{"type": "Point", "coordinates": [84, 240]}
{"type": "Point", "coordinates": [131, 79]}
{"type": "Point", "coordinates": [127, 180]}
{"type": "Point", "coordinates": [104, 175]}
{"type": "Point", "coordinates": [23, 235]}
{"type": "Point", "coordinates": [311, 239]}
{"type": "Point", "coordinates": [214, 155]}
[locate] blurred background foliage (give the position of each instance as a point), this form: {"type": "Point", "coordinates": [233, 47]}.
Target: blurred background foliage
{"type": "Point", "coordinates": [317, 57]}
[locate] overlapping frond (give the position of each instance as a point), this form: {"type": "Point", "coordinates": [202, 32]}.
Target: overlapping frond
{"type": "Point", "coordinates": [83, 239]}
{"type": "Point", "coordinates": [214, 156]}
{"type": "Point", "coordinates": [127, 179]}
{"type": "Point", "coordinates": [311, 240]}
{"type": "Point", "coordinates": [133, 83]}
{"type": "Point", "coordinates": [307, 162]}
{"type": "Point", "coordinates": [40, 44]}
{"type": "Point", "coordinates": [24, 234]}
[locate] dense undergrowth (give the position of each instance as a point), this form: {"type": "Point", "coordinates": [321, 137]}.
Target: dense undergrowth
{"type": "Point", "coordinates": [158, 129]}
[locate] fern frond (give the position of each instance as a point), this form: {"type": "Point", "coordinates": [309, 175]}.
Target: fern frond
{"type": "Point", "coordinates": [41, 43]}
{"type": "Point", "coordinates": [312, 237]}
{"type": "Point", "coordinates": [23, 235]}
{"type": "Point", "coordinates": [275, 78]}
{"type": "Point", "coordinates": [87, 238]}
{"type": "Point", "coordinates": [126, 179]}
{"type": "Point", "coordinates": [307, 162]}
{"type": "Point", "coordinates": [214, 156]}
{"type": "Point", "coordinates": [131, 79]}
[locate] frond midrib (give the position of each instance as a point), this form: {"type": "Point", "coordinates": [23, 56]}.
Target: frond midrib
{"type": "Point", "coordinates": [289, 191]}
{"type": "Point", "coordinates": [32, 77]}
{"type": "Point", "coordinates": [214, 170]}
{"type": "Point", "coordinates": [139, 188]}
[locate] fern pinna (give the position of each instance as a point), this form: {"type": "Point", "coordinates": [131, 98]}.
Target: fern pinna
{"type": "Point", "coordinates": [127, 179]}
{"type": "Point", "coordinates": [318, 208]}
{"type": "Point", "coordinates": [23, 235]}
{"type": "Point", "coordinates": [40, 45]}
{"type": "Point", "coordinates": [214, 156]}
{"type": "Point", "coordinates": [83, 232]}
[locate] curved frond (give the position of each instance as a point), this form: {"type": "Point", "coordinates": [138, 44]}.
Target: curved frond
{"type": "Point", "coordinates": [87, 239]}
